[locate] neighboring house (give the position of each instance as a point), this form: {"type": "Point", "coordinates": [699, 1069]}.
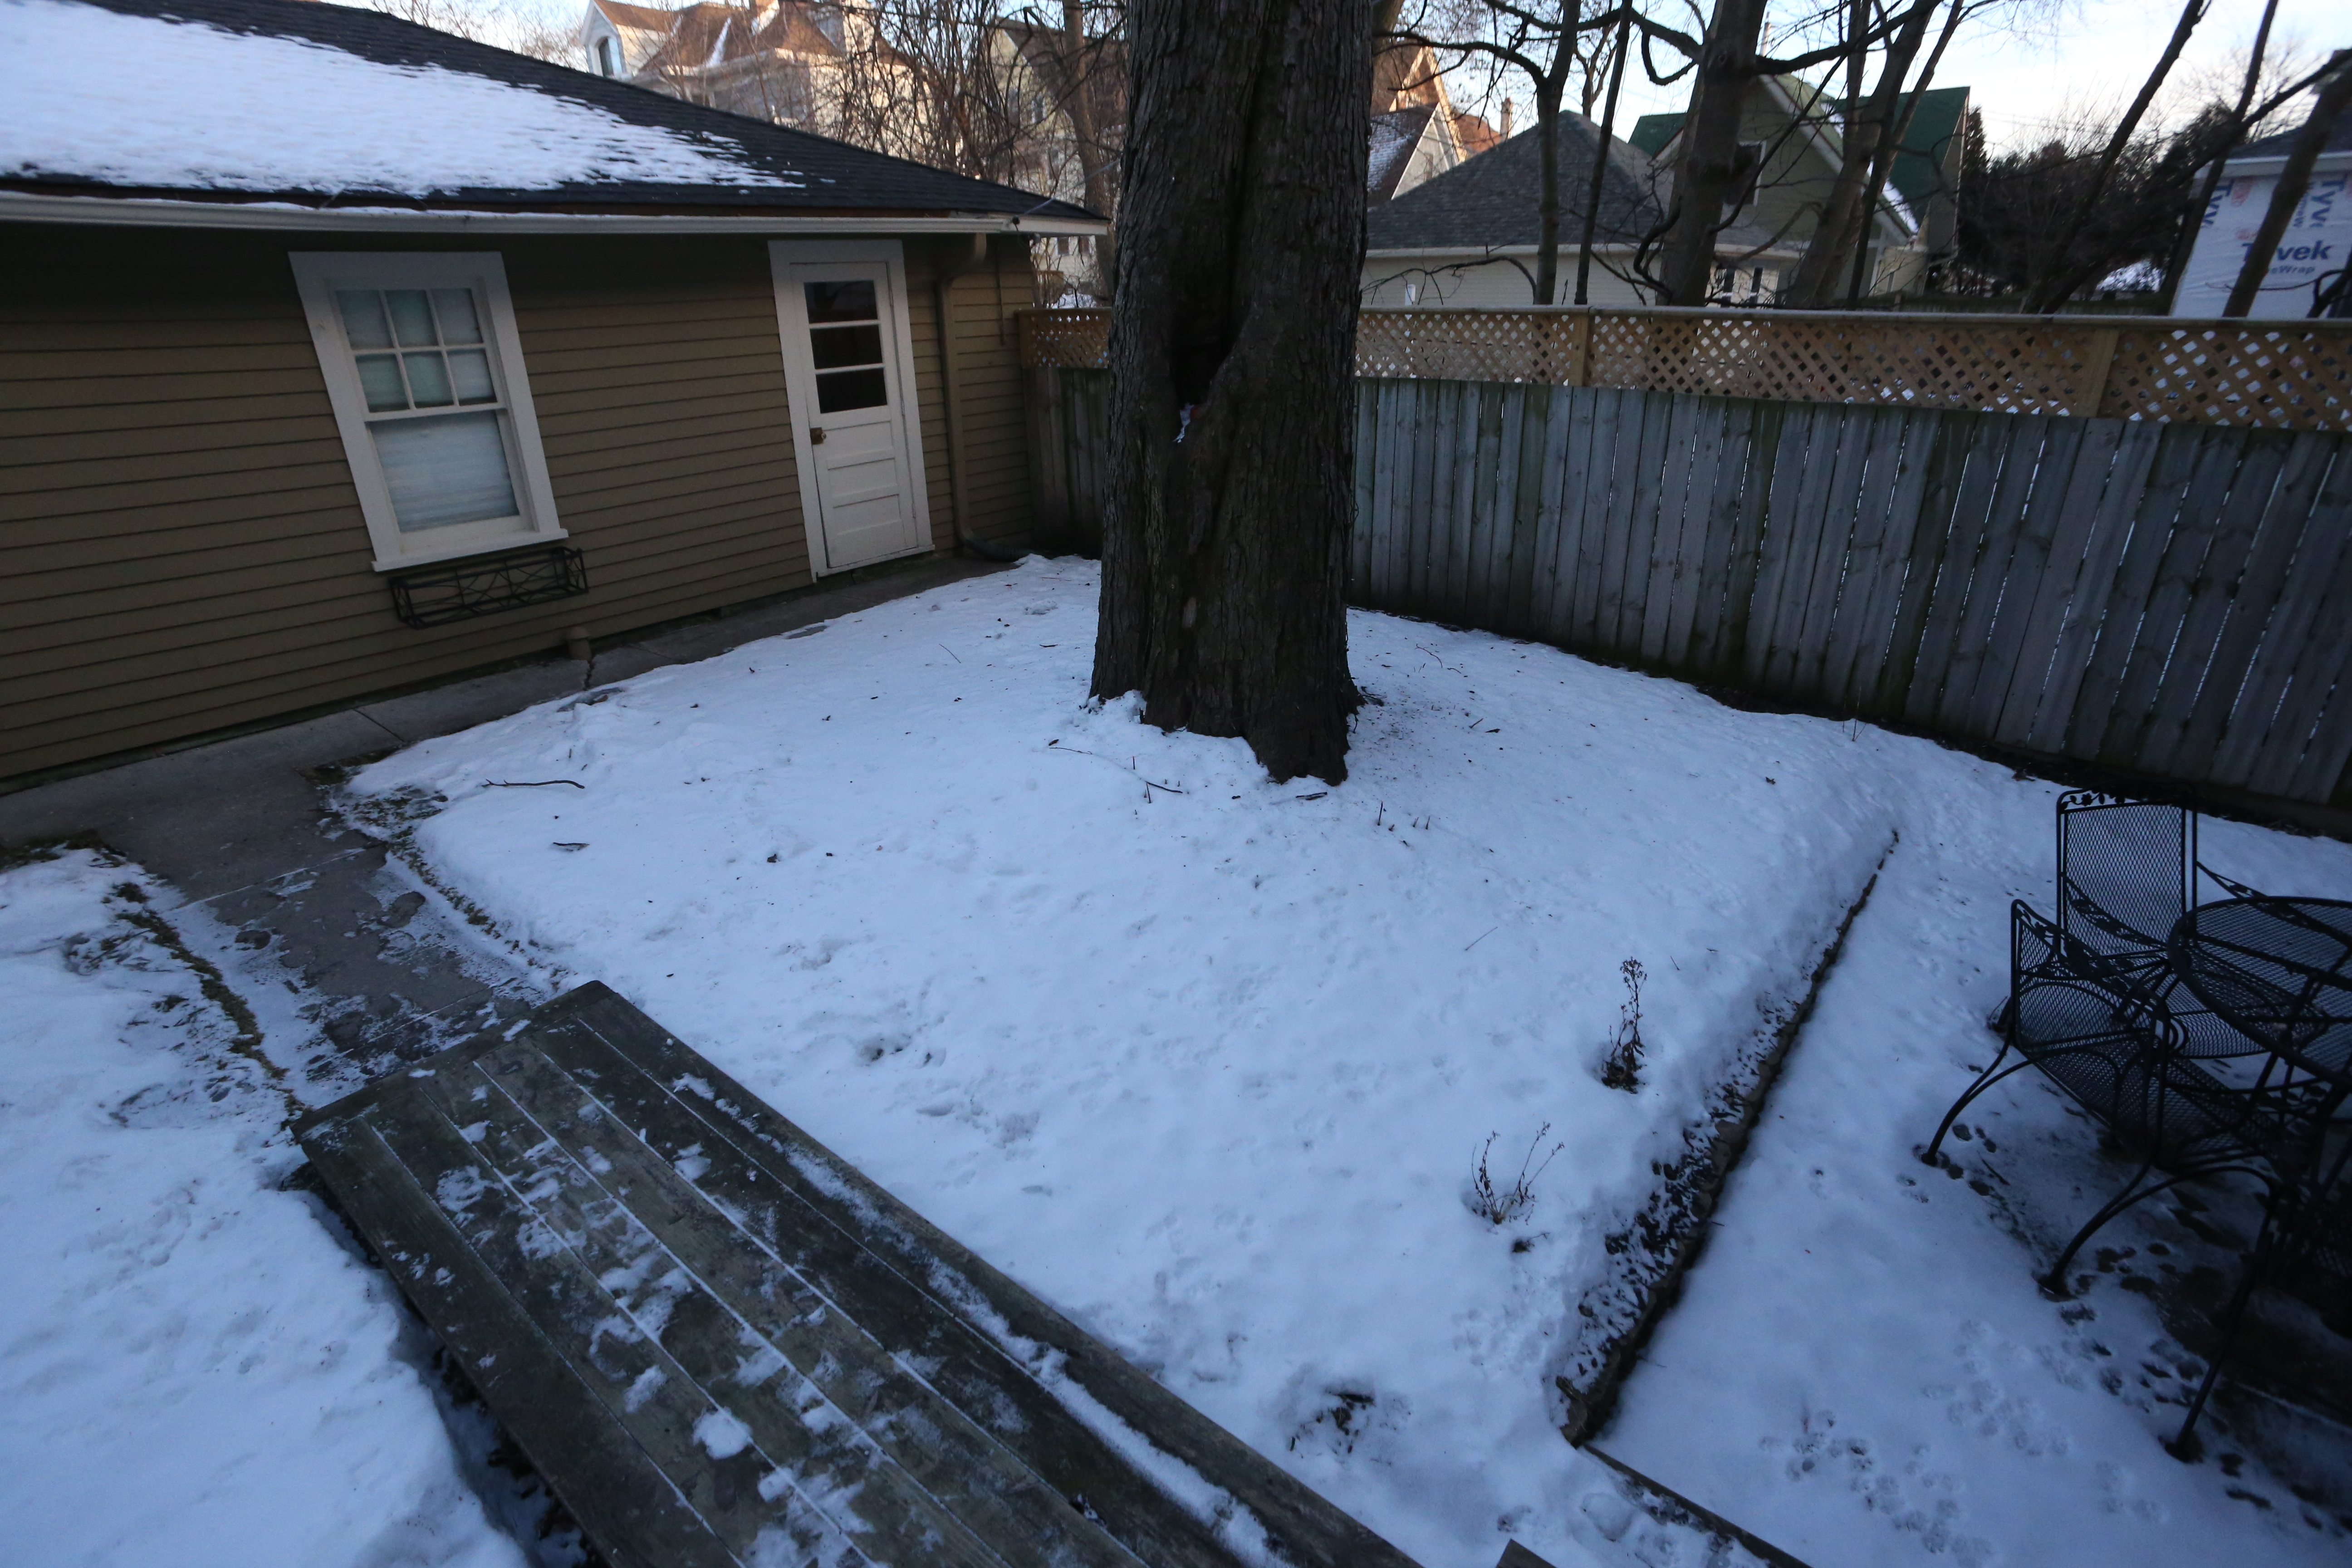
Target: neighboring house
{"type": "Point", "coordinates": [1415, 133]}
{"type": "Point", "coordinates": [1469, 236]}
{"type": "Point", "coordinates": [775, 61]}
{"type": "Point", "coordinates": [2310, 258]}
{"type": "Point", "coordinates": [1791, 136]}
{"type": "Point", "coordinates": [409, 355]}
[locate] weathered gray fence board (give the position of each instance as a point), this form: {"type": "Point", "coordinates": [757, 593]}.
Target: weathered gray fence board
{"type": "Point", "coordinates": [2071, 510]}
{"type": "Point", "coordinates": [1983, 463]}
{"type": "Point", "coordinates": [2087, 600]}
{"type": "Point", "coordinates": [1868, 637]}
{"type": "Point", "coordinates": [2209, 600]}
{"type": "Point", "coordinates": [1598, 481]}
{"type": "Point", "coordinates": [2167, 600]}
{"type": "Point", "coordinates": [2305, 650]}
{"type": "Point", "coordinates": [2278, 538]}
{"type": "Point", "coordinates": [2122, 608]}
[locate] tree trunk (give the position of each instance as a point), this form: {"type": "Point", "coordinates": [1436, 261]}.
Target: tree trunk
{"type": "Point", "coordinates": [1548, 95]}
{"type": "Point", "coordinates": [2294, 183]}
{"type": "Point", "coordinates": [1845, 219]}
{"type": "Point", "coordinates": [1707, 171]}
{"type": "Point", "coordinates": [1598, 184]}
{"type": "Point", "coordinates": [1232, 375]}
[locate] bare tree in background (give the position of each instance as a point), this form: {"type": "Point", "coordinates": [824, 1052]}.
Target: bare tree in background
{"type": "Point", "coordinates": [494, 22]}
{"type": "Point", "coordinates": [1710, 174]}
{"type": "Point", "coordinates": [2067, 274]}
{"type": "Point", "coordinates": [2017, 208]}
{"type": "Point", "coordinates": [1545, 41]}
{"type": "Point", "coordinates": [1875, 124]}
{"type": "Point", "coordinates": [1232, 375]}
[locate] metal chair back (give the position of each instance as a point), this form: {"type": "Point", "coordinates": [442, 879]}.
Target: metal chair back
{"type": "Point", "coordinates": [2127, 873]}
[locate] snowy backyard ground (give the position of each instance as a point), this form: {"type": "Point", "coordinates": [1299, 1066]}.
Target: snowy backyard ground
{"type": "Point", "coordinates": [193, 1369]}
{"type": "Point", "coordinates": [1208, 1063]}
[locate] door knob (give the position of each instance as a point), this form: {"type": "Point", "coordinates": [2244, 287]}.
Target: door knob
{"type": "Point", "coordinates": [816, 436]}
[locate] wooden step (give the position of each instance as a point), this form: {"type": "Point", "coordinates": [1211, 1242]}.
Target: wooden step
{"type": "Point", "coordinates": [720, 1343]}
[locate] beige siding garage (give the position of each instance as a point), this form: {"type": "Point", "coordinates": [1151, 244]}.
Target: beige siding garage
{"type": "Point", "coordinates": [181, 545]}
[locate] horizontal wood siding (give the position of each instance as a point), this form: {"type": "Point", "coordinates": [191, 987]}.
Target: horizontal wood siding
{"type": "Point", "coordinates": [181, 545]}
{"type": "Point", "coordinates": [2166, 600]}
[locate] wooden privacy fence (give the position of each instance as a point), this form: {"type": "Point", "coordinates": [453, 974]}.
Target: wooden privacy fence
{"type": "Point", "coordinates": [2279, 376]}
{"type": "Point", "coordinates": [2171, 600]}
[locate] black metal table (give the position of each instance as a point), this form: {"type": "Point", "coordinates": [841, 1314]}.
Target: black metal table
{"type": "Point", "coordinates": [2279, 970]}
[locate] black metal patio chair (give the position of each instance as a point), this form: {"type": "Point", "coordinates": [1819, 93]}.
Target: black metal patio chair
{"type": "Point", "coordinates": [2116, 1049]}
{"type": "Point", "coordinates": [2127, 873]}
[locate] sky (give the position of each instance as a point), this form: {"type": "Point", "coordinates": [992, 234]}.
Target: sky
{"type": "Point", "coordinates": [2074, 55]}
{"type": "Point", "coordinates": [2082, 55]}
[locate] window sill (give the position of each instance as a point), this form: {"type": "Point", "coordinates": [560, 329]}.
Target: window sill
{"type": "Point", "coordinates": [460, 552]}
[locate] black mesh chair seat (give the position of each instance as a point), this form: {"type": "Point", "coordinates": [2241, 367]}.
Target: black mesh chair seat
{"type": "Point", "coordinates": [2132, 1074]}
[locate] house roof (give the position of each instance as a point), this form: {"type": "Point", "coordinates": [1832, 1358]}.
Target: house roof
{"type": "Point", "coordinates": [2339, 139]}
{"type": "Point", "coordinates": [1917, 174]}
{"type": "Point", "coordinates": [1490, 201]}
{"type": "Point", "coordinates": [706, 35]}
{"type": "Point", "coordinates": [1395, 136]}
{"type": "Point", "coordinates": [325, 106]}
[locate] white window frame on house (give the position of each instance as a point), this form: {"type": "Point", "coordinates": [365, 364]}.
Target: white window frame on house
{"type": "Point", "coordinates": [319, 276]}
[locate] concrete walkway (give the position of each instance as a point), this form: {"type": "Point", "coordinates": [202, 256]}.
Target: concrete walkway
{"type": "Point", "coordinates": [243, 828]}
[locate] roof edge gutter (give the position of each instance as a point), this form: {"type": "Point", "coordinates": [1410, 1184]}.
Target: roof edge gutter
{"type": "Point", "coordinates": [143, 212]}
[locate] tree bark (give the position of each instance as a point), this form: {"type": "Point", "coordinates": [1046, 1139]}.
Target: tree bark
{"type": "Point", "coordinates": [1232, 375]}
{"type": "Point", "coordinates": [1847, 215]}
{"type": "Point", "coordinates": [1707, 171]}
{"type": "Point", "coordinates": [2294, 183]}
{"type": "Point", "coordinates": [1598, 184]}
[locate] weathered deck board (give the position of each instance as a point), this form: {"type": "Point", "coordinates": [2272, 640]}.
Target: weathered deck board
{"type": "Point", "coordinates": [705, 1329]}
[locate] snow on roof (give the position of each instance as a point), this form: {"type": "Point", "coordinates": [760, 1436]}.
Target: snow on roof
{"type": "Point", "coordinates": [146, 101]}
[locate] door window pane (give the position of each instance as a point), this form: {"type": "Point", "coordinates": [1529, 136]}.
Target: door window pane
{"type": "Point", "coordinates": [428, 380]}
{"type": "Point", "coordinates": [842, 390]}
{"type": "Point", "coordinates": [380, 382]}
{"type": "Point", "coordinates": [850, 301]}
{"type": "Point", "coordinates": [411, 317]}
{"type": "Point", "coordinates": [836, 347]}
{"type": "Point", "coordinates": [445, 470]}
{"type": "Point", "coordinates": [363, 318]}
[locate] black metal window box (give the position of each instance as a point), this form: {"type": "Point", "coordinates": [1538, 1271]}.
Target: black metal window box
{"type": "Point", "coordinates": [461, 590]}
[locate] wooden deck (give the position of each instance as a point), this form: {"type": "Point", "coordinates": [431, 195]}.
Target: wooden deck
{"type": "Point", "coordinates": [722, 1344]}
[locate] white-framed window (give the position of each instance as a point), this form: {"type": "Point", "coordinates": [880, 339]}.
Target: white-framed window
{"type": "Point", "coordinates": [425, 373]}
{"type": "Point", "coordinates": [608, 56]}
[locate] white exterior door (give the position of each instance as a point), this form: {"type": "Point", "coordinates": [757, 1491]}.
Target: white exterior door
{"type": "Point", "coordinates": [841, 309]}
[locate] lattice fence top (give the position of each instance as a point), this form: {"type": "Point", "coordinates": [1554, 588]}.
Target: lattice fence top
{"type": "Point", "coordinates": [2288, 375]}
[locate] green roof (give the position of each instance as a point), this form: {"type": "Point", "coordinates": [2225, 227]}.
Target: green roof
{"type": "Point", "coordinates": [1652, 131]}
{"type": "Point", "coordinates": [1917, 174]}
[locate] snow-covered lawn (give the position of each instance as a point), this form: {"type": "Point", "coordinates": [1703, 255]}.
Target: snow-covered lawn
{"type": "Point", "coordinates": [194, 1369]}
{"type": "Point", "coordinates": [1208, 1061]}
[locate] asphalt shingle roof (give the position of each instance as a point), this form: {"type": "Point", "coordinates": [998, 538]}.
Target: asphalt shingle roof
{"type": "Point", "coordinates": [2339, 139]}
{"type": "Point", "coordinates": [790, 171]}
{"type": "Point", "coordinates": [1491, 200]}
